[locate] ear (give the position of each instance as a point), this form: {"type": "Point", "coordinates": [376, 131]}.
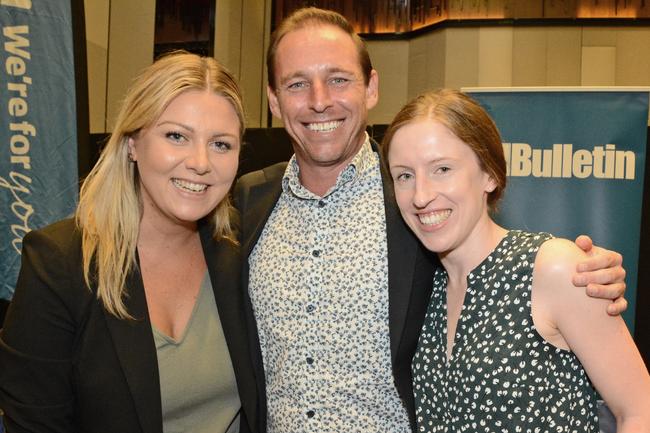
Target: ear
{"type": "Point", "coordinates": [490, 184]}
{"type": "Point", "coordinates": [372, 91]}
{"type": "Point", "coordinates": [273, 102]}
{"type": "Point", "coordinates": [131, 149]}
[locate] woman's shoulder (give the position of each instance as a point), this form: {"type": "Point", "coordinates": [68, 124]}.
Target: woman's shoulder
{"type": "Point", "coordinates": [51, 269]}
{"type": "Point", "coordinates": [62, 237]}
{"type": "Point", "coordinates": [555, 266]}
{"type": "Point", "coordinates": [53, 252]}
{"type": "Point", "coordinates": [558, 257]}
{"type": "Point", "coordinates": [60, 232]}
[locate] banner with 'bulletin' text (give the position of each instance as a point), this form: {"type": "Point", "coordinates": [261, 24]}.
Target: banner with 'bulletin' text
{"type": "Point", "coordinates": [575, 163]}
{"type": "Point", "coordinates": [38, 135]}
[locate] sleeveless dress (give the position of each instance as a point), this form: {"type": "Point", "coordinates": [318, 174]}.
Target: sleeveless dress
{"type": "Point", "coordinates": [502, 375]}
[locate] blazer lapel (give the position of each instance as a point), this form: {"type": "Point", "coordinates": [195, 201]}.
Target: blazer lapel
{"type": "Point", "coordinates": [402, 251]}
{"type": "Point", "coordinates": [224, 266]}
{"type": "Point", "coordinates": [256, 199]}
{"type": "Point", "coordinates": [259, 205]}
{"type": "Point", "coordinates": [410, 276]}
{"type": "Point", "coordinates": [136, 351]}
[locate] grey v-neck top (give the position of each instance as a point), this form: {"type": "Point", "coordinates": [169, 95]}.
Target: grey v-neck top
{"type": "Point", "coordinates": [197, 381]}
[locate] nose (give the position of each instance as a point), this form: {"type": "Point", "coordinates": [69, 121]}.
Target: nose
{"type": "Point", "coordinates": [425, 192]}
{"type": "Point", "coordinates": [320, 98]}
{"type": "Point", "coordinates": [198, 159]}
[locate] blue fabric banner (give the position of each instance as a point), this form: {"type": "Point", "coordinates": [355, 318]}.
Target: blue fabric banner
{"type": "Point", "coordinates": [575, 166]}
{"type": "Point", "coordinates": [38, 156]}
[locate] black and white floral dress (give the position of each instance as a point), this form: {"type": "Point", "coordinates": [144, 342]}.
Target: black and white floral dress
{"type": "Point", "coordinates": [502, 375]}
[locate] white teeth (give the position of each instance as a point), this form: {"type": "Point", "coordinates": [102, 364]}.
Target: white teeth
{"type": "Point", "coordinates": [324, 126]}
{"type": "Point", "coordinates": [189, 186]}
{"type": "Point", "coordinates": [434, 218]}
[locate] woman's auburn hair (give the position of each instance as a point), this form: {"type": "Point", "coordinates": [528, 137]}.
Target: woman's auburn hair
{"type": "Point", "coordinates": [109, 210]}
{"type": "Point", "coordinates": [467, 120]}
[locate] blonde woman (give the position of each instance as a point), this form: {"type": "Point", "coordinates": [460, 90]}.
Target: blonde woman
{"type": "Point", "coordinates": [508, 343]}
{"type": "Point", "coordinates": [127, 318]}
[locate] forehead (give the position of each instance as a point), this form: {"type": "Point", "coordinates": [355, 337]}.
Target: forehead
{"type": "Point", "coordinates": [316, 46]}
{"type": "Point", "coordinates": [193, 100]}
{"type": "Point", "coordinates": [201, 107]}
{"type": "Point", "coordinates": [428, 138]}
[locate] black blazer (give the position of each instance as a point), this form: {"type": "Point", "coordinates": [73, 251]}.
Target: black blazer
{"type": "Point", "coordinates": [410, 274]}
{"type": "Point", "coordinates": [66, 365]}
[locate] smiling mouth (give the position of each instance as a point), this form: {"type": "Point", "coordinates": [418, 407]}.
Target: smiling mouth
{"type": "Point", "coordinates": [434, 218]}
{"type": "Point", "coordinates": [189, 186]}
{"type": "Point", "coordinates": [324, 126]}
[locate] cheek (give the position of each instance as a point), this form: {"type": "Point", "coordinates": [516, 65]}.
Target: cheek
{"type": "Point", "coordinates": [158, 160]}
{"type": "Point", "coordinates": [290, 105]}
{"type": "Point", "coordinates": [476, 194]}
{"type": "Point", "coordinates": [356, 103]}
{"type": "Point", "coordinates": [169, 159]}
{"type": "Point", "coordinates": [226, 167]}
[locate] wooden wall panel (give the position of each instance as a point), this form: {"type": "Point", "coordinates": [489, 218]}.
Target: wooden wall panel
{"type": "Point", "coordinates": [528, 9]}
{"type": "Point", "coordinates": [391, 60]}
{"type": "Point", "coordinates": [495, 56]}
{"type": "Point", "coordinates": [633, 57]}
{"type": "Point", "coordinates": [391, 16]}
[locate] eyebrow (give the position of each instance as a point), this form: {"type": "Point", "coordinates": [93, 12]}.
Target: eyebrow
{"type": "Point", "coordinates": [182, 125]}
{"type": "Point", "coordinates": [340, 70]}
{"type": "Point", "coordinates": [329, 71]}
{"type": "Point", "coordinates": [285, 80]}
{"type": "Point", "coordinates": [428, 162]}
{"type": "Point", "coordinates": [189, 128]}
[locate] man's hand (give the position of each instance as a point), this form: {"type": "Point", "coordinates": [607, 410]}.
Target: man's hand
{"type": "Point", "coordinates": [603, 275]}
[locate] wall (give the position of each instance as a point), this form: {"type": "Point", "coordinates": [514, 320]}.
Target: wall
{"type": "Point", "coordinates": [515, 56]}
{"type": "Point", "coordinates": [391, 60]}
{"type": "Point", "coordinates": [120, 42]}
{"type": "Point", "coordinates": [120, 36]}
{"type": "Point", "coordinates": [242, 29]}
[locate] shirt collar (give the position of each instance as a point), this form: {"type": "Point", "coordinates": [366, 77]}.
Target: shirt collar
{"type": "Point", "coordinates": [358, 167]}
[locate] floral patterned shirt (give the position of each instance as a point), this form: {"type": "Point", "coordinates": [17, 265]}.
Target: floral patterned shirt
{"type": "Point", "coordinates": [502, 376]}
{"type": "Point", "coordinates": [319, 288]}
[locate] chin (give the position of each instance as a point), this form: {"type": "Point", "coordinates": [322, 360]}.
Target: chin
{"type": "Point", "coordinates": [191, 217]}
{"type": "Point", "coordinates": [433, 242]}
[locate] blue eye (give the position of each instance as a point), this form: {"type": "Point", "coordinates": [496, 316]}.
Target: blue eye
{"type": "Point", "coordinates": [221, 146]}
{"type": "Point", "coordinates": [299, 85]}
{"type": "Point", "coordinates": [175, 136]}
{"type": "Point", "coordinates": [339, 81]}
{"type": "Point", "coordinates": [403, 177]}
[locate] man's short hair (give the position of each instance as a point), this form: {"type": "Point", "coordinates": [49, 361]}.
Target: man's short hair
{"type": "Point", "coordinates": [314, 16]}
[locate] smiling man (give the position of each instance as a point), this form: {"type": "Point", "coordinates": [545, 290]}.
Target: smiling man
{"type": "Point", "coordinates": [338, 285]}
{"type": "Point", "coordinates": [323, 96]}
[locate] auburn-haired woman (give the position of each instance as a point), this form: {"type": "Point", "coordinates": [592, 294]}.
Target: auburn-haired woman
{"type": "Point", "coordinates": [508, 343]}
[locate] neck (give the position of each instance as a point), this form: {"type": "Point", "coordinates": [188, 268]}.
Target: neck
{"type": "Point", "coordinates": [320, 177]}
{"type": "Point", "coordinates": [319, 180]}
{"type": "Point", "coordinates": [483, 239]}
{"type": "Point", "coordinates": [153, 234]}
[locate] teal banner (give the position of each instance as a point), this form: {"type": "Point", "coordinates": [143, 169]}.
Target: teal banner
{"type": "Point", "coordinates": [575, 166]}
{"type": "Point", "coordinates": [38, 132]}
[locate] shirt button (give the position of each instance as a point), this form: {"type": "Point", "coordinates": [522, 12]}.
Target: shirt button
{"type": "Point", "coordinates": [315, 253]}
{"type": "Point", "coordinates": [310, 308]}
{"type": "Point", "coordinates": [321, 203]}
{"type": "Point", "coordinates": [310, 414]}
{"type": "Point", "coordinates": [310, 360]}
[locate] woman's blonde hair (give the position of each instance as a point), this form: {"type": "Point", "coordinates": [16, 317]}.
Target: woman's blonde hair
{"type": "Point", "coordinates": [467, 120]}
{"type": "Point", "coordinates": [109, 210]}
